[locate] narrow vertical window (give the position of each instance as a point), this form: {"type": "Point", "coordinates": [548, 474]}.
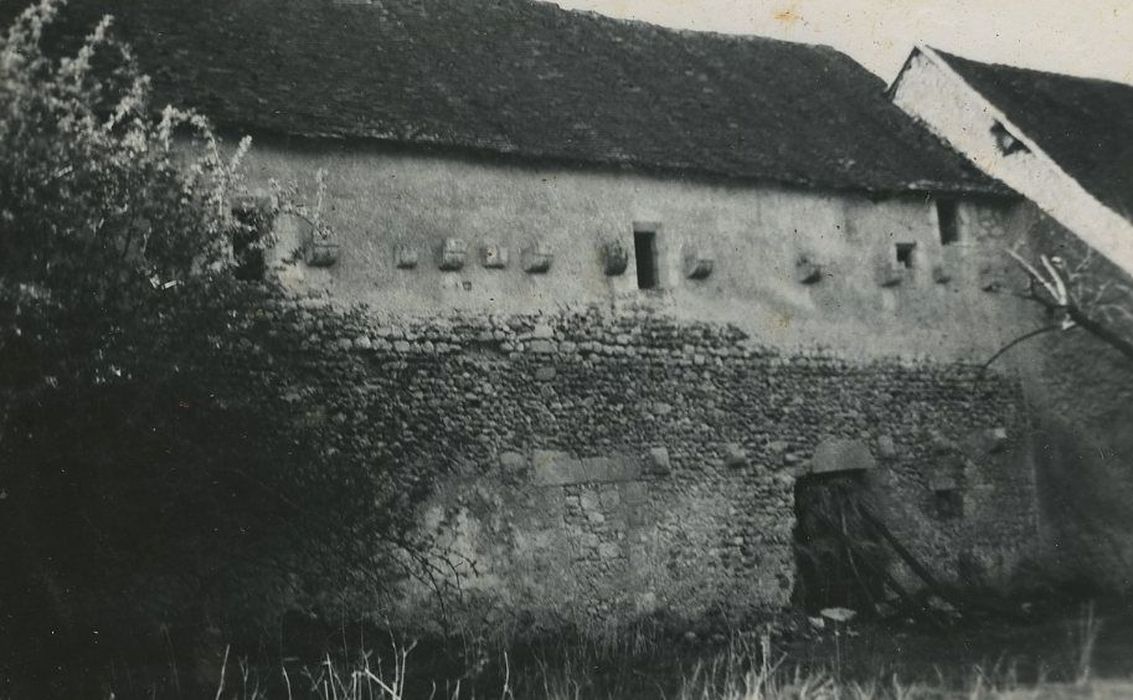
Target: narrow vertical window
{"type": "Point", "coordinates": [645, 253]}
{"type": "Point", "coordinates": [247, 240]}
{"type": "Point", "coordinates": [947, 221]}
{"type": "Point", "coordinates": [906, 255]}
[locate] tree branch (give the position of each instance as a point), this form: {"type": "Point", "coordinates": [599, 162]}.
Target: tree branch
{"type": "Point", "coordinates": [1013, 343]}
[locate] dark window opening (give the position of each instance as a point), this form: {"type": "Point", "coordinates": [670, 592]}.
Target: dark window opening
{"type": "Point", "coordinates": [905, 255]}
{"type": "Point", "coordinates": [1006, 142]}
{"type": "Point", "coordinates": [248, 241]}
{"type": "Point", "coordinates": [645, 253]}
{"type": "Point", "coordinates": [947, 220]}
{"type": "Point", "coordinates": [949, 504]}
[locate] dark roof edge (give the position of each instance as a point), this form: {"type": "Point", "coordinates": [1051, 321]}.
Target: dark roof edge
{"type": "Point", "coordinates": [948, 55]}
{"type": "Point", "coordinates": [480, 153]}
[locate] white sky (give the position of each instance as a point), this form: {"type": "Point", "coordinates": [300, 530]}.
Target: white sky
{"type": "Point", "coordinates": [1081, 37]}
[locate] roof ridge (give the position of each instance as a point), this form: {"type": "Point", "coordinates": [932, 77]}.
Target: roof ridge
{"type": "Point", "coordinates": [535, 79]}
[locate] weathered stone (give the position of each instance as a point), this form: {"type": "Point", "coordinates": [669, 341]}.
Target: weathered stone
{"type": "Point", "coordinates": [998, 439]}
{"type": "Point", "coordinates": [453, 252]}
{"type": "Point", "coordinates": [633, 492]}
{"type": "Point", "coordinates": [658, 461]}
{"type": "Point", "coordinates": [886, 448]}
{"type": "Point", "coordinates": [553, 468]}
{"type": "Point", "coordinates": [541, 346]}
{"type": "Point", "coordinates": [536, 258]}
{"type": "Point", "coordinates": [512, 462]}
{"type": "Point", "coordinates": [609, 498]}
{"type": "Point", "coordinates": [839, 455]}
{"type": "Point", "coordinates": [543, 331]}
{"type": "Point", "coordinates": [493, 255]}
{"type": "Point", "coordinates": [698, 263]}
{"type": "Point", "coordinates": [545, 373]}
{"type": "Point", "coordinates": [807, 269]}
{"type": "Point", "coordinates": [405, 256]}
{"type": "Point", "coordinates": [615, 258]}
{"type": "Point", "coordinates": [609, 550]}
{"type": "Point", "coordinates": [735, 455]}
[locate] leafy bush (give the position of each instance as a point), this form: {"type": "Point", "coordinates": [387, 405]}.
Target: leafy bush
{"type": "Point", "coordinates": [178, 450]}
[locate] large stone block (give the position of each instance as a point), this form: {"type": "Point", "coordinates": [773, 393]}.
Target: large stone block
{"type": "Point", "coordinates": [840, 455]}
{"type": "Point", "coordinates": [554, 468]}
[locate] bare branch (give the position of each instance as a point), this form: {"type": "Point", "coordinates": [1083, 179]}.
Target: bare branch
{"type": "Point", "coordinates": [1013, 343]}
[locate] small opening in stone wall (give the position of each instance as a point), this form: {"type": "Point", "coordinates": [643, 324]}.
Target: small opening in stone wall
{"type": "Point", "coordinates": [906, 255]}
{"type": "Point", "coordinates": [947, 220]}
{"type": "Point", "coordinates": [645, 254]}
{"type": "Point", "coordinates": [949, 504]}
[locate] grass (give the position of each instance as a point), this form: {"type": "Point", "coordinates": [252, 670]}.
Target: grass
{"type": "Point", "coordinates": [647, 663]}
{"type": "Point", "coordinates": [1052, 657]}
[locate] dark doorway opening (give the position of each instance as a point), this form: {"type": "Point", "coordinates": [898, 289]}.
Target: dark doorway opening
{"type": "Point", "coordinates": [841, 560]}
{"type": "Point", "coordinates": [645, 253]}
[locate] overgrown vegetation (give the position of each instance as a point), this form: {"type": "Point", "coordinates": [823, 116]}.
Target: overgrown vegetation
{"type": "Point", "coordinates": [177, 454]}
{"type": "Point", "coordinates": [785, 657]}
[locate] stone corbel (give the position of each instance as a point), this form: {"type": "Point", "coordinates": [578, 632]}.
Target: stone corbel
{"type": "Point", "coordinates": [890, 274]}
{"type": "Point", "coordinates": [615, 257]}
{"type": "Point", "coordinates": [808, 270]}
{"type": "Point", "coordinates": [405, 256]}
{"type": "Point", "coordinates": [536, 258]}
{"type": "Point", "coordinates": [321, 253]}
{"type": "Point", "coordinates": [494, 256]}
{"type": "Point", "coordinates": [453, 253]}
{"type": "Point", "coordinates": [698, 263]}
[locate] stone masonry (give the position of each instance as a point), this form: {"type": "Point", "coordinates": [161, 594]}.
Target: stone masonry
{"type": "Point", "coordinates": [596, 466]}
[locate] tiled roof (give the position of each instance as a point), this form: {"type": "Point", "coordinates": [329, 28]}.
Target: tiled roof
{"type": "Point", "coordinates": [528, 78]}
{"type": "Point", "coordinates": [1084, 124]}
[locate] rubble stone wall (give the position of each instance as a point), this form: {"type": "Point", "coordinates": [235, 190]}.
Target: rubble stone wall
{"type": "Point", "coordinates": [597, 466]}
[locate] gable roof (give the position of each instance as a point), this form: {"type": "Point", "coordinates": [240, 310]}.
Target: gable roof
{"type": "Point", "coordinates": [1084, 124]}
{"type": "Point", "coordinates": [528, 78]}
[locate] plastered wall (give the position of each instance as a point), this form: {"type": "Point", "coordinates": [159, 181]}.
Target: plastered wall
{"type": "Point", "coordinates": [794, 268]}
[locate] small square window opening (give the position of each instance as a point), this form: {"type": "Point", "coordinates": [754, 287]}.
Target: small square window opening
{"type": "Point", "coordinates": [906, 255]}
{"type": "Point", "coordinates": [645, 255]}
{"type": "Point", "coordinates": [949, 505]}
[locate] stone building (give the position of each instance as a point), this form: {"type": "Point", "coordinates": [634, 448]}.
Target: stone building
{"type": "Point", "coordinates": [634, 289]}
{"type": "Point", "coordinates": [1066, 144]}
